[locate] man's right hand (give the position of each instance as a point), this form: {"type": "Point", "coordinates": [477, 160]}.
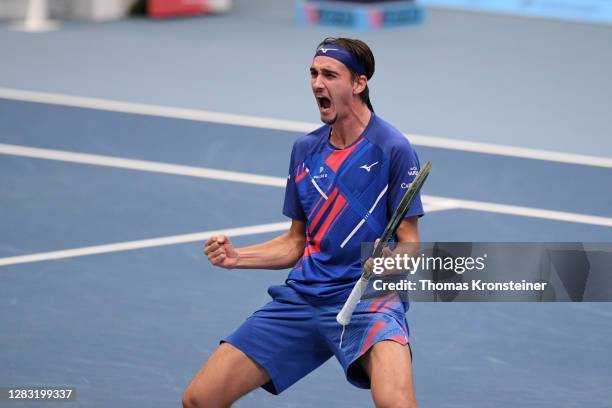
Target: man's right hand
{"type": "Point", "coordinates": [221, 252]}
{"type": "Point", "coordinates": [369, 263]}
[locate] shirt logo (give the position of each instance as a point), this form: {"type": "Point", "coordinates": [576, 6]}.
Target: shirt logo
{"type": "Point", "coordinates": [413, 171]}
{"type": "Point", "coordinates": [367, 167]}
{"type": "Point", "coordinates": [320, 175]}
{"type": "Point", "coordinates": [324, 50]}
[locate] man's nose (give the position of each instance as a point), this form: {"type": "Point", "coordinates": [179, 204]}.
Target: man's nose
{"type": "Point", "coordinates": [317, 82]}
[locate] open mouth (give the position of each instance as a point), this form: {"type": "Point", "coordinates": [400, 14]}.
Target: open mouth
{"type": "Point", "coordinates": [324, 102]}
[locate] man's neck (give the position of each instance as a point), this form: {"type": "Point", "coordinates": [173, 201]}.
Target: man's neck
{"type": "Point", "coordinates": [346, 131]}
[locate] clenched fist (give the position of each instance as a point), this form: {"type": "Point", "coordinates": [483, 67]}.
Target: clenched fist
{"type": "Point", "coordinates": [221, 252]}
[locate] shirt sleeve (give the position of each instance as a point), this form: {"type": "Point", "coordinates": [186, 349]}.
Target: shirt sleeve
{"type": "Point", "coordinates": [292, 206]}
{"type": "Point", "coordinates": [403, 169]}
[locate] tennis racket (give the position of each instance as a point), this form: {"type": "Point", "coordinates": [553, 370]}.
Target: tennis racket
{"type": "Point", "coordinates": [344, 317]}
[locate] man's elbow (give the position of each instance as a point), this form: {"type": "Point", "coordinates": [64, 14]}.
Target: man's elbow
{"type": "Point", "coordinates": [296, 242]}
{"type": "Point", "coordinates": [298, 249]}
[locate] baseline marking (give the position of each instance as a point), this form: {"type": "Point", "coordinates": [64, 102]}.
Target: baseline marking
{"type": "Point", "coordinates": [436, 202]}
{"type": "Point", "coordinates": [520, 211]}
{"type": "Point", "coordinates": [144, 243]}
{"type": "Point", "coordinates": [143, 165]}
{"type": "Point", "coordinates": [291, 126]}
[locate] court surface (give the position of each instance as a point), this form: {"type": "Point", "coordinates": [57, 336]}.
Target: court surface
{"type": "Point", "coordinates": [103, 212]}
{"type": "Point", "coordinates": [129, 328]}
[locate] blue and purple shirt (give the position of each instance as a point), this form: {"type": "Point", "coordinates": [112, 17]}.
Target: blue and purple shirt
{"type": "Point", "coordinates": [345, 197]}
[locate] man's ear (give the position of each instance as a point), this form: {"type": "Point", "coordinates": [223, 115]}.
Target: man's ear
{"type": "Point", "coordinates": [359, 84]}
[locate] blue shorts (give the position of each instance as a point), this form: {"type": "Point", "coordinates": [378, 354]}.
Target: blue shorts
{"type": "Point", "coordinates": [289, 337]}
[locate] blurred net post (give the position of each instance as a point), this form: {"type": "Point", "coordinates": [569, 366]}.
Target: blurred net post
{"type": "Point", "coordinates": [36, 18]}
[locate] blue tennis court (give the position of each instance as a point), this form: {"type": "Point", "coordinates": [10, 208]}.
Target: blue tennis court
{"type": "Point", "coordinates": [104, 208]}
{"type": "Point", "coordinates": [130, 327]}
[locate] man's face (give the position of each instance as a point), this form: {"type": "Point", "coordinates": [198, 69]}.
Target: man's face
{"type": "Point", "coordinates": [332, 86]}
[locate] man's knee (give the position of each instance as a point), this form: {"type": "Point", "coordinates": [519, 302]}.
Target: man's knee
{"type": "Point", "coordinates": [189, 399]}
{"type": "Point", "coordinates": [395, 401]}
{"type": "Point", "coordinates": [389, 366]}
{"type": "Point", "coordinates": [394, 395]}
{"type": "Point", "coordinates": [225, 377]}
{"type": "Point", "coordinates": [203, 398]}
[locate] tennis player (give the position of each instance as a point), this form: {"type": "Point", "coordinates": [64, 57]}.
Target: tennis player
{"type": "Point", "coordinates": [345, 181]}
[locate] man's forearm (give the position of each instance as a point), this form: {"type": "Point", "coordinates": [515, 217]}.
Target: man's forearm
{"type": "Point", "coordinates": [279, 253]}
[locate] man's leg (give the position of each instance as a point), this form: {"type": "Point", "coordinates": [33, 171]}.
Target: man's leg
{"type": "Point", "coordinates": [389, 366]}
{"type": "Point", "coordinates": [224, 378]}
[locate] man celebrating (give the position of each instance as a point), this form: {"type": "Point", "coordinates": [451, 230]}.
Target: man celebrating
{"type": "Point", "coordinates": [345, 181]}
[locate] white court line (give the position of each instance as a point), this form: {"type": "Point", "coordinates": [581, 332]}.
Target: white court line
{"type": "Point", "coordinates": [437, 203]}
{"type": "Point", "coordinates": [521, 211]}
{"type": "Point", "coordinates": [292, 126]}
{"type": "Point", "coordinates": [144, 165]}
{"type": "Point", "coordinates": [512, 151]}
{"type": "Point", "coordinates": [156, 110]}
{"type": "Point", "coordinates": [145, 243]}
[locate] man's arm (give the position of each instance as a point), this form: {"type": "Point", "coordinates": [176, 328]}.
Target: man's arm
{"type": "Point", "coordinates": [279, 253]}
{"type": "Point", "coordinates": [408, 230]}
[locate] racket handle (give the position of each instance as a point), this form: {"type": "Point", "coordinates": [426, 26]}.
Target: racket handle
{"type": "Point", "coordinates": [344, 317]}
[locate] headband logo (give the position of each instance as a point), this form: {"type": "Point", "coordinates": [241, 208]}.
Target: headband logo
{"type": "Point", "coordinates": [324, 50]}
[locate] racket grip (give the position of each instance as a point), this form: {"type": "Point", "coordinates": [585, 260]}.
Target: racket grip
{"type": "Point", "coordinates": [344, 317]}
